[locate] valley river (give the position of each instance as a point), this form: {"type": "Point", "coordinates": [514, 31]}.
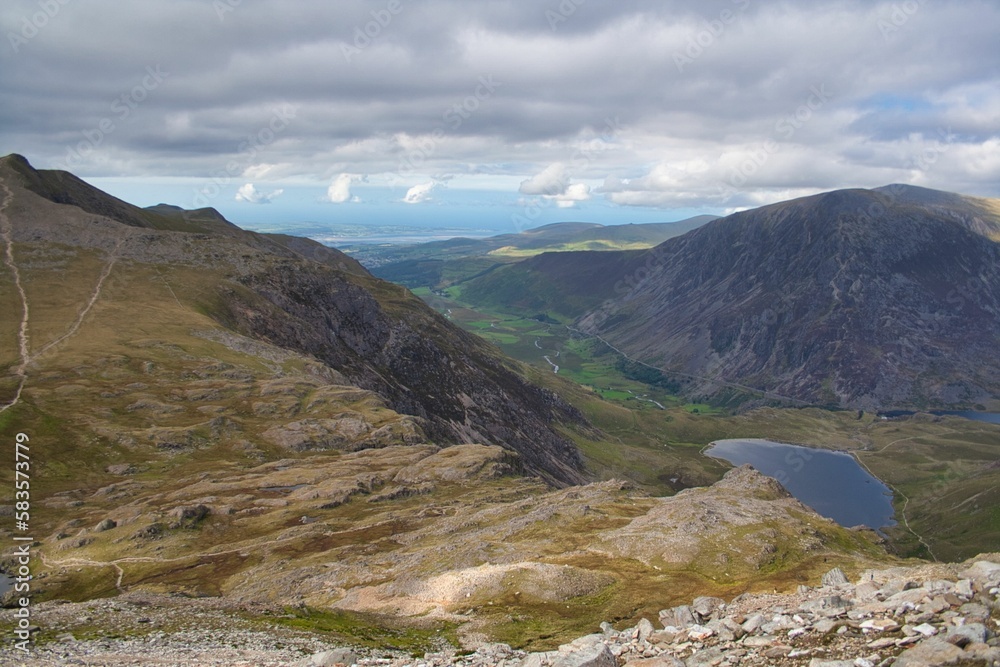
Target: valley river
{"type": "Point", "coordinates": [832, 483]}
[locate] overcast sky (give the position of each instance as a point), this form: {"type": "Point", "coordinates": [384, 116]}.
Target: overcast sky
{"type": "Point", "coordinates": [458, 111]}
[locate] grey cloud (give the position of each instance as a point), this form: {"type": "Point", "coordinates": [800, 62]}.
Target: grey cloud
{"type": "Point", "coordinates": [751, 65]}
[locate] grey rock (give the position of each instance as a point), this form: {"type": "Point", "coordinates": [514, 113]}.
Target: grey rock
{"type": "Point", "coordinates": [930, 653]}
{"type": "Point", "coordinates": [964, 588]}
{"type": "Point", "coordinates": [706, 606]}
{"type": "Point", "coordinates": [835, 577]}
{"type": "Point", "coordinates": [596, 655]}
{"type": "Point", "coordinates": [645, 629]}
{"type": "Point", "coordinates": [753, 624]}
{"type": "Point", "coordinates": [333, 657]}
{"type": "Point", "coordinates": [970, 633]}
{"type": "Point", "coordinates": [107, 524]}
{"type": "Point", "coordinates": [658, 661]}
{"type": "Point", "coordinates": [818, 662]}
{"type": "Point", "coordinates": [678, 617]}
{"type": "Point", "coordinates": [705, 658]}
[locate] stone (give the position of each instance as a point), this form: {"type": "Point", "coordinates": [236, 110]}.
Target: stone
{"type": "Point", "coordinates": [753, 624]}
{"type": "Point", "coordinates": [880, 625]}
{"type": "Point", "coordinates": [706, 657]}
{"type": "Point", "coordinates": [107, 524]}
{"type": "Point", "coordinates": [700, 632]}
{"type": "Point", "coordinates": [925, 629]}
{"type": "Point", "coordinates": [596, 655]}
{"type": "Point", "coordinates": [835, 577]}
{"type": "Point", "coordinates": [645, 629]}
{"type": "Point", "coordinates": [678, 617]}
{"type": "Point", "coordinates": [659, 661]}
{"type": "Point", "coordinates": [970, 633]}
{"type": "Point", "coordinates": [825, 625]}
{"type": "Point", "coordinates": [337, 656]}
{"type": "Point", "coordinates": [705, 606]}
{"type": "Point", "coordinates": [984, 573]}
{"type": "Point", "coordinates": [881, 643]}
{"type": "Point", "coordinates": [819, 662]}
{"type": "Point", "coordinates": [930, 653]}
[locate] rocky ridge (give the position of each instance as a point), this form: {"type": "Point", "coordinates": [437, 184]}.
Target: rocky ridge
{"type": "Point", "coordinates": [922, 616]}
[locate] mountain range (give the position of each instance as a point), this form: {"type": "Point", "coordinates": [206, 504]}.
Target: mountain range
{"type": "Point", "coordinates": [871, 299]}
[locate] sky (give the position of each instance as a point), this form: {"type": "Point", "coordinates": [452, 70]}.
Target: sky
{"type": "Point", "coordinates": [495, 116]}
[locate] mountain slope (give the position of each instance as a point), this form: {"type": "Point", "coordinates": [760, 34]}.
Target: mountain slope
{"type": "Point", "coordinates": [366, 332]}
{"type": "Point", "coordinates": [856, 298]}
{"type": "Point", "coordinates": [565, 283]}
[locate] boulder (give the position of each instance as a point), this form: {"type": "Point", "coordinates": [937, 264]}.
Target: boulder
{"type": "Point", "coordinates": [835, 577]}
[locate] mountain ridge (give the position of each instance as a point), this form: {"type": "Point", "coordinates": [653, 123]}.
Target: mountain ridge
{"type": "Point", "coordinates": [772, 296]}
{"type": "Point", "coordinates": [373, 332]}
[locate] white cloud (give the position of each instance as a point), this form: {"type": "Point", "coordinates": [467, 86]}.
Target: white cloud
{"type": "Point", "coordinates": [419, 193]}
{"type": "Point", "coordinates": [340, 189]}
{"type": "Point", "coordinates": [553, 184]}
{"type": "Point", "coordinates": [250, 194]}
{"type": "Point", "coordinates": [553, 180]}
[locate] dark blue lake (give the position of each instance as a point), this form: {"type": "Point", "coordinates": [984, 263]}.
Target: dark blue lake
{"type": "Point", "coordinates": [6, 583]}
{"type": "Point", "coordinates": [832, 483]}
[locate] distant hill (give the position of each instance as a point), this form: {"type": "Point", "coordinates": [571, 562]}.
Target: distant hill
{"type": "Point", "coordinates": [862, 298]}
{"type": "Point", "coordinates": [441, 263]}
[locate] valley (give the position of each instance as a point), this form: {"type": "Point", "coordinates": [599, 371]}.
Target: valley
{"type": "Point", "coordinates": [256, 420]}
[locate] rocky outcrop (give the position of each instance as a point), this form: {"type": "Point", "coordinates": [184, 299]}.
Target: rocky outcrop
{"type": "Point", "coordinates": [921, 616]}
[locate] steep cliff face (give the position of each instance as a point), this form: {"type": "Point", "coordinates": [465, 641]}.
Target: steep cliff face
{"type": "Point", "coordinates": [857, 298]}
{"type": "Point", "coordinates": [384, 339]}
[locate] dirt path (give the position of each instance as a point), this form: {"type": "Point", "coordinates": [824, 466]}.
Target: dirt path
{"type": "Point", "coordinates": [6, 230]}
{"type": "Point", "coordinates": [94, 296]}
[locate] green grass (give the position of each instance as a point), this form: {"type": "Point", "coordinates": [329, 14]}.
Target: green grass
{"type": "Point", "coordinates": [370, 630]}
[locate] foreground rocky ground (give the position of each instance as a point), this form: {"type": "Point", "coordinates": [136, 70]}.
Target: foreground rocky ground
{"type": "Point", "coordinates": [921, 616]}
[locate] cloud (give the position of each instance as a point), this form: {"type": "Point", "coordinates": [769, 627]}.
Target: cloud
{"type": "Point", "coordinates": [553, 180]}
{"type": "Point", "coordinates": [250, 194]}
{"type": "Point", "coordinates": [340, 189]}
{"type": "Point", "coordinates": [419, 193]}
{"type": "Point", "coordinates": [553, 184]}
{"type": "Point", "coordinates": [414, 98]}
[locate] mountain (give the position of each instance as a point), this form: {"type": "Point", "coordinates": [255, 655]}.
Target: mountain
{"type": "Point", "coordinates": [272, 292]}
{"type": "Point", "coordinates": [860, 298]}
{"type": "Point", "coordinates": [256, 425]}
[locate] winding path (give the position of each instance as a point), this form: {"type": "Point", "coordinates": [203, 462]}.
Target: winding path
{"type": "Point", "coordinates": [7, 232]}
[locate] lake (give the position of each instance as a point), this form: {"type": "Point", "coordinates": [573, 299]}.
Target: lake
{"type": "Point", "coordinates": [6, 583]}
{"type": "Point", "coordinates": [832, 483]}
